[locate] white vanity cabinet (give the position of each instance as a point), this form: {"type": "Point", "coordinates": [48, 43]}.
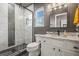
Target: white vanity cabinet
{"type": "Point", "coordinates": [57, 47]}
{"type": "Point", "coordinates": [47, 47]}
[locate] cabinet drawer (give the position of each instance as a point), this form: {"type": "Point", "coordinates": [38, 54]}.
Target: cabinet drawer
{"type": "Point", "coordinates": [66, 44]}
{"type": "Point", "coordinates": [68, 53]}
{"type": "Point", "coordinates": [71, 45]}
{"type": "Point", "coordinates": [57, 42]}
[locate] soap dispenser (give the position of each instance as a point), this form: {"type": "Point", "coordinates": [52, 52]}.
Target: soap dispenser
{"type": "Point", "coordinates": [58, 32]}
{"type": "Point", "coordinates": [65, 33]}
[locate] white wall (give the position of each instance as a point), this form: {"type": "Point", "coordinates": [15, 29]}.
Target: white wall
{"type": "Point", "coordinates": [3, 26]}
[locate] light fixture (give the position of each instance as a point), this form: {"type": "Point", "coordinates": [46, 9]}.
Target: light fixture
{"type": "Point", "coordinates": [55, 8]}
{"type": "Point", "coordinates": [65, 5]}
{"type": "Point", "coordinates": [54, 5]}
{"type": "Point", "coordinates": [49, 6]}
{"type": "Point", "coordinates": [50, 9]}
{"type": "Point", "coordinates": [59, 4]}
{"type": "Point", "coordinates": [60, 7]}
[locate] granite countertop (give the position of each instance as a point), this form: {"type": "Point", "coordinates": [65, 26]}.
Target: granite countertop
{"type": "Point", "coordinates": [61, 37]}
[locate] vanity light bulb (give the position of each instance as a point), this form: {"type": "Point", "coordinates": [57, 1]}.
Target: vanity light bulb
{"type": "Point", "coordinates": [59, 4]}
{"type": "Point", "coordinates": [49, 6]}
{"type": "Point", "coordinates": [65, 5]}
{"type": "Point", "coordinates": [60, 7]}
{"type": "Point", "coordinates": [50, 9]}
{"type": "Point", "coordinates": [55, 8]}
{"type": "Point", "coordinates": [54, 5]}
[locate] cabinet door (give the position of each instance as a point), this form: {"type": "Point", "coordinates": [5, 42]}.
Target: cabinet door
{"type": "Point", "coordinates": [46, 48]}
{"type": "Point", "coordinates": [50, 50]}
{"type": "Point", "coordinates": [46, 51]}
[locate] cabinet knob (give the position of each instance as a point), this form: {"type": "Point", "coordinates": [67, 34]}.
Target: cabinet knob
{"type": "Point", "coordinates": [59, 50]}
{"type": "Point", "coordinates": [44, 41]}
{"type": "Point", "coordinates": [75, 47]}
{"type": "Point", "coordinates": [53, 48]}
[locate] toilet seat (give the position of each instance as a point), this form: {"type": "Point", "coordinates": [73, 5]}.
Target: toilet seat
{"type": "Point", "coordinates": [32, 46]}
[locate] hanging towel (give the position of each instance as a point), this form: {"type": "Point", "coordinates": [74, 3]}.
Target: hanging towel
{"type": "Point", "coordinates": [76, 18]}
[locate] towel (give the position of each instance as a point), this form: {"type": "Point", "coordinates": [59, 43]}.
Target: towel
{"type": "Point", "coordinates": [76, 18]}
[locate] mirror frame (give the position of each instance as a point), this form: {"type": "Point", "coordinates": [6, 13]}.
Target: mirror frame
{"type": "Point", "coordinates": [58, 15]}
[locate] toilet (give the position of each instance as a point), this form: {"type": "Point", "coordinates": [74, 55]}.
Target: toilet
{"type": "Point", "coordinates": [33, 49]}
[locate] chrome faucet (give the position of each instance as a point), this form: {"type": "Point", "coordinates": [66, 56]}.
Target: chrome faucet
{"type": "Point", "coordinates": [58, 32]}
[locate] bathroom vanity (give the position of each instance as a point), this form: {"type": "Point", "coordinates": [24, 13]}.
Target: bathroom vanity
{"type": "Point", "coordinates": [53, 45]}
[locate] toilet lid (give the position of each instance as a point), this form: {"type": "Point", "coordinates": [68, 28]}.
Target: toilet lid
{"type": "Point", "coordinates": [34, 44]}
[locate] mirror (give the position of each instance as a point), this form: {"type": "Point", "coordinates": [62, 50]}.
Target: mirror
{"type": "Point", "coordinates": [58, 20]}
{"type": "Point", "coordinates": [58, 15]}
{"type": "Point", "coordinates": [61, 20]}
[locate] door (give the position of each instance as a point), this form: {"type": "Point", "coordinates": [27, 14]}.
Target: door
{"type": "Point", "coordinates": [28, 26]}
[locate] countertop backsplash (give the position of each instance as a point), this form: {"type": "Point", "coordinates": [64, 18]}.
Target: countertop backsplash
{"type": "Point", "coordinates": [62, 33]}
